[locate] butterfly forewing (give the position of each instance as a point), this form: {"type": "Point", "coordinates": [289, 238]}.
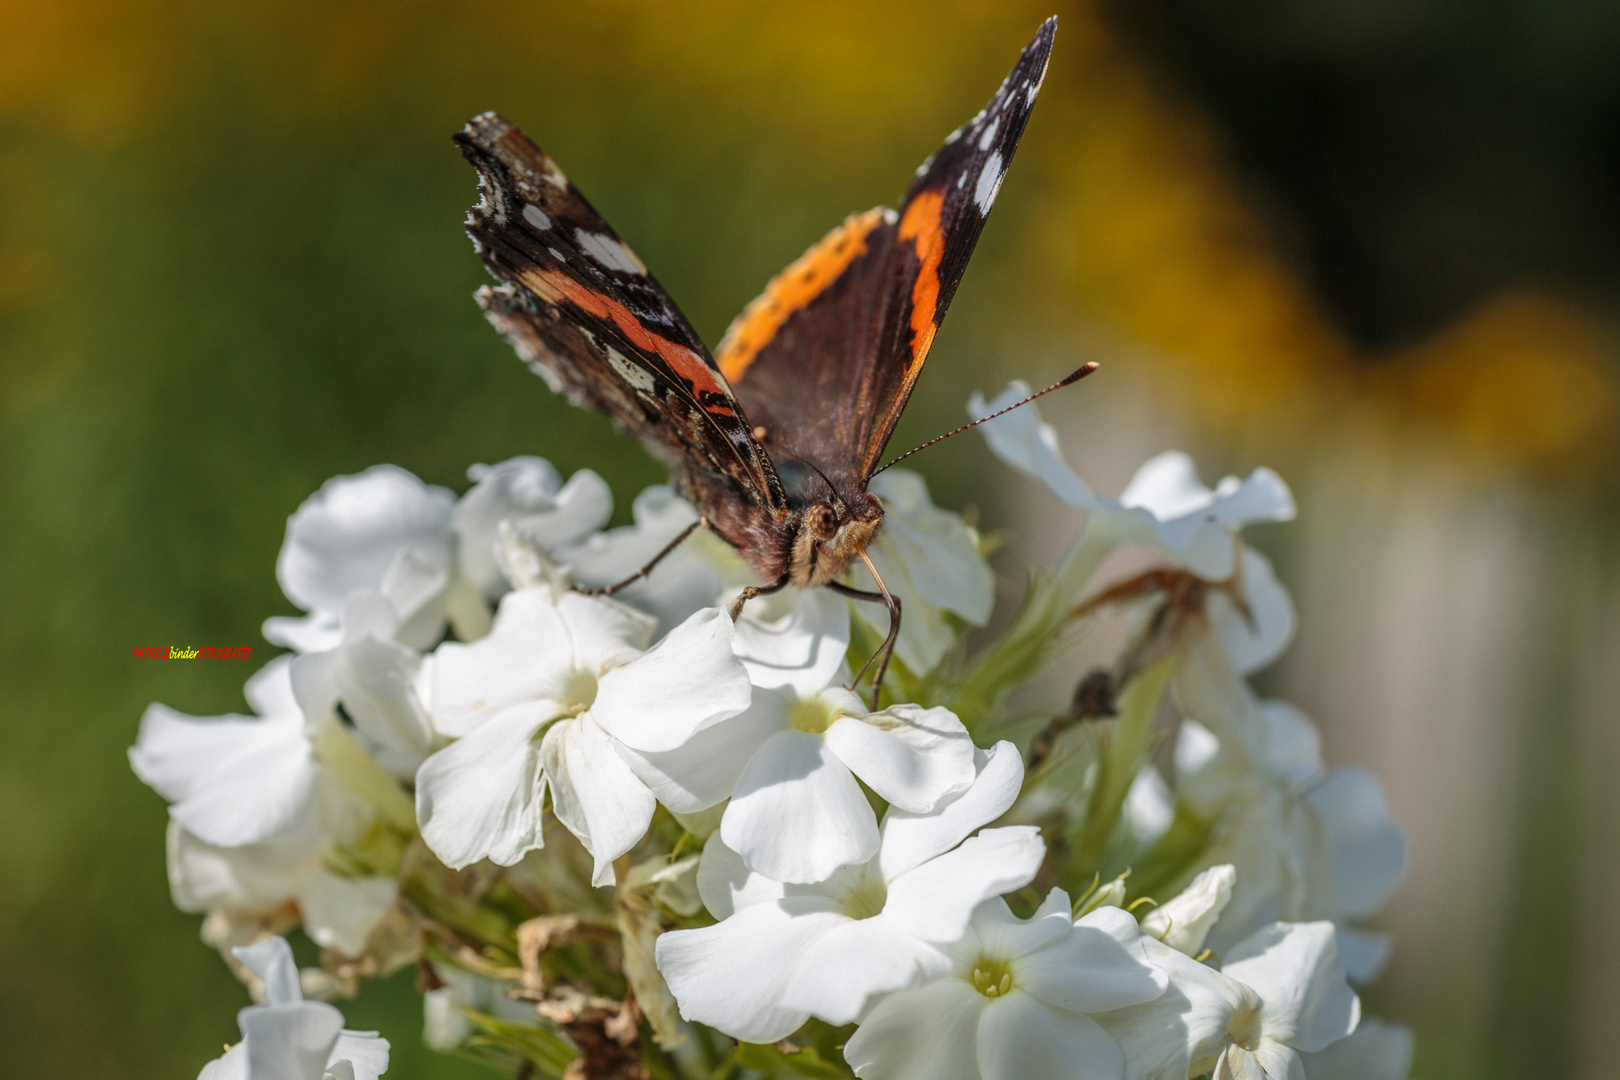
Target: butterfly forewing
{"type": "Point", "coordinates": [826, 358]}
{"type": "Point", "coordinates": [580, 307]}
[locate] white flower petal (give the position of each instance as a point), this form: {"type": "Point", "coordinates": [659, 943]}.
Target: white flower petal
{"type": "Point", "coordinates": [704, 771]}
{"type": "Point", "coordinates": [689, 681]}
{"type": "Point", "coordinates": [234, 780]}
{"type": "Point", "coordinates": [935, 900]}
{"type": "Point", "coordinates": [272, 961]}
{"type": "Point", "coordinates": [1021, 440]}
{"type": "Point", "coordinates": [1187, 1024]}
{"type": "Point", "coordinates": [1294, 967]}
{"type": "Point", "coordinates": [594, 793]}
{"type": "Point", "coordinates": [253, 879]}
{"type": "Point", "coordinates": [1087, 971]}
{"type": "Point", "coordinates": [730, 976]}
{"type": "Point", "coordinates": [313, 633]}
{"type": "Point", "coordinates": [1254, 642]}
{"type": "Point", "coordinates": [269, 691]}
{"type": "Point", "coordinates": [605, 632]}
{"type": "Point", "coordinates": [527, 492]}
{"type": "Point", "coordinates": [1364, 953]}
{"type": "Point", "coordinates": [936, 547]}
{"type": "Point", "coordinates": [527, 657]}
{"type": "Point", "coordinates": [366, 1051]}
{"type": "Point", "coordinates": [483, 795]}
{"type": "Point", "coordinates": [1020, 1037]}
{"type": "Point", "coordinates": [415, 588]}
{"type": "Point", "coordinates": [232, 1066]}
{"type": "Point", "coordinates": [727, 885]}
{"type": "Point", "coordinates": [341, 912]}
{"type": "Point", "coordinates": [1184, 921]}
{"type": "Point", "coordinates": [911, 756]}
{"type": "Point", "coordinates": [1293, 746]}
{"type": "Point", "coordinates": [347, 535]}
{"type": "Point", "coordinates": [803, 649]}
{"type": "Point", "coordinates": [927, 1033]}
{"type": "Point", "coordinates": [686, 580]}
{"type": "Point", "coordinates": [798, 814]}
{"type": "Point", "coordinates": [843, 969]}
{"type": "Point", "coordinates": [289, 1042]}
{"type": "Point", "coordinates": [912, 839]}
{"type": "Point", "coordinates": [1368, 848]}
{"type": "Point", "coordinates": [1278, 1062]}
{"type": "Point", "coordinates": [1377, 1050]}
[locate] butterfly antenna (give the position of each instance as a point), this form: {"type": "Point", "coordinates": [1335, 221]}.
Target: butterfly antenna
{"type": "Point", "coordinates": [1079, 373]}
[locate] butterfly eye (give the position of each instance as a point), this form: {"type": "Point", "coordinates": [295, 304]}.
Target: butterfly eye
{"type": "Point", "coordinates": [822, 520]}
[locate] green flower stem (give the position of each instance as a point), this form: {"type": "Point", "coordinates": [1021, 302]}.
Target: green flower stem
{"type": "Point", "coordinates": [1121, 759]}
{"type": "Point", "coordinates": [1034, 637]}
{"type": "Point", "coordinates": [349, 763]}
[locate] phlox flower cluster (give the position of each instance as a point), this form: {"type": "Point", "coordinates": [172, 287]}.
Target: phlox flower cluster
{"type": "Point", "coordinates": [629, 835]}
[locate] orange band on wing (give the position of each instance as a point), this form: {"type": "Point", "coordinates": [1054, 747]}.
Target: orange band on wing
{"type": "Point", "coordinates": [552, 286]}
{"type": "Point", "coordinates": [922, 226]}
{"type": "Point", "coordinates": [792, 290]}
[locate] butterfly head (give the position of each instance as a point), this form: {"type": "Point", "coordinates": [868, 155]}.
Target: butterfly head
{"type": "Point", "coordinates": [833, 533]}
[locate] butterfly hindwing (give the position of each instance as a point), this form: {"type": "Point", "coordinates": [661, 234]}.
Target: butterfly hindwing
{"type": "Point", "coordinates": [826, 358]}
{"type": "Point", "coordinates": [582, 310]}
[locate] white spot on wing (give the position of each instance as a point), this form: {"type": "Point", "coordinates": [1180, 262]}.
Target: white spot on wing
{"type": "Point", "coordinates": [609, 252]}
{"type": "Point", "coordinates": [555, 175]}
{"type": "Point", "coordinates": [559, 256]}
{"type": "Point", "coordinates": [986, 139]}
{"type": "Point", "coordinates": [633, 373]}
{"type": "Point", "coordinates": [890, 216]}
{"type": "Point", "coordinates": [984, 194]}
{"type": "Point", "coordinates": [536, 217]}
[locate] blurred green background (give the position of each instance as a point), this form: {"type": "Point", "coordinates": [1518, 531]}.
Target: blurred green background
{"type": "Point", "coordinates": [1373, 244]}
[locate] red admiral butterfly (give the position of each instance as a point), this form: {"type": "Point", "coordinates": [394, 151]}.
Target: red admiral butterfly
{"type": "Point", "coordinates": [775, 436]}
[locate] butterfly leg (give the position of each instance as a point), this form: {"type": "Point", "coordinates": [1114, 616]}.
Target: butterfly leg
{"type": "Point", "coordinates": [753, 591]}
{"type": "Point", "coordinates": [609, 590]}
{"type": "Point", "coordinates": [886, 650]}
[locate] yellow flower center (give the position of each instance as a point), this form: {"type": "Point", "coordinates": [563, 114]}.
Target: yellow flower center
{"type": "Point", "coordinates": [579, 691]}
{"type": "Point", "coordinates": [866, 899]}
{"type": "Point", "coordinates": [813, 716]}
{"type": "Point", "coordinates": [992, 978]}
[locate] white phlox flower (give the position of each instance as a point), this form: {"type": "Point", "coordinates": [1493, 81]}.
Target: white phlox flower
{"type": "Point", "coordinates": [376, 680]}
{"type": "Point", "coordinates": [290, 1038]}
{"type": "Point", "coordinates": [1308, 842]}
{"type": "Point", "coordinates": [1378, 1049]}
{"type": "Point", "coordinates": [251, 885]}
{"type": "Point", "coordinates": [1184, 921]}
{"type": "Point", "coordinates": [530, 707]}
{"type": "Point", "coordinates": [783, 952]}
{"type": "Point", "coordinates": [788, 643]}
{"type": "Point", "coordinates": [1280, 993]}
{"type": "Point", "coordinates": [1014, 1003]}
{"type": "Point", "coordinates": [432, 558]}
{"type": "Point", "coordinates": [382, 529]}
{"type": "Point", "coordinates": [529, 494]}
{"type": "Point", "coordinates": [790, 763]}
{"type": "Point", "coordinates": [930, 559]}
{"type": "Point", "coordinates": [1167, 510]}
{"type": "Point", "coordinates": [688, 579]}
{"type": "Point", "coordinates": [234, 780]}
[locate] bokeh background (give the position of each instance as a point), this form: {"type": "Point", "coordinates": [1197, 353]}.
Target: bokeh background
{"type": "Point", "coordinates": [1374, 244]}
